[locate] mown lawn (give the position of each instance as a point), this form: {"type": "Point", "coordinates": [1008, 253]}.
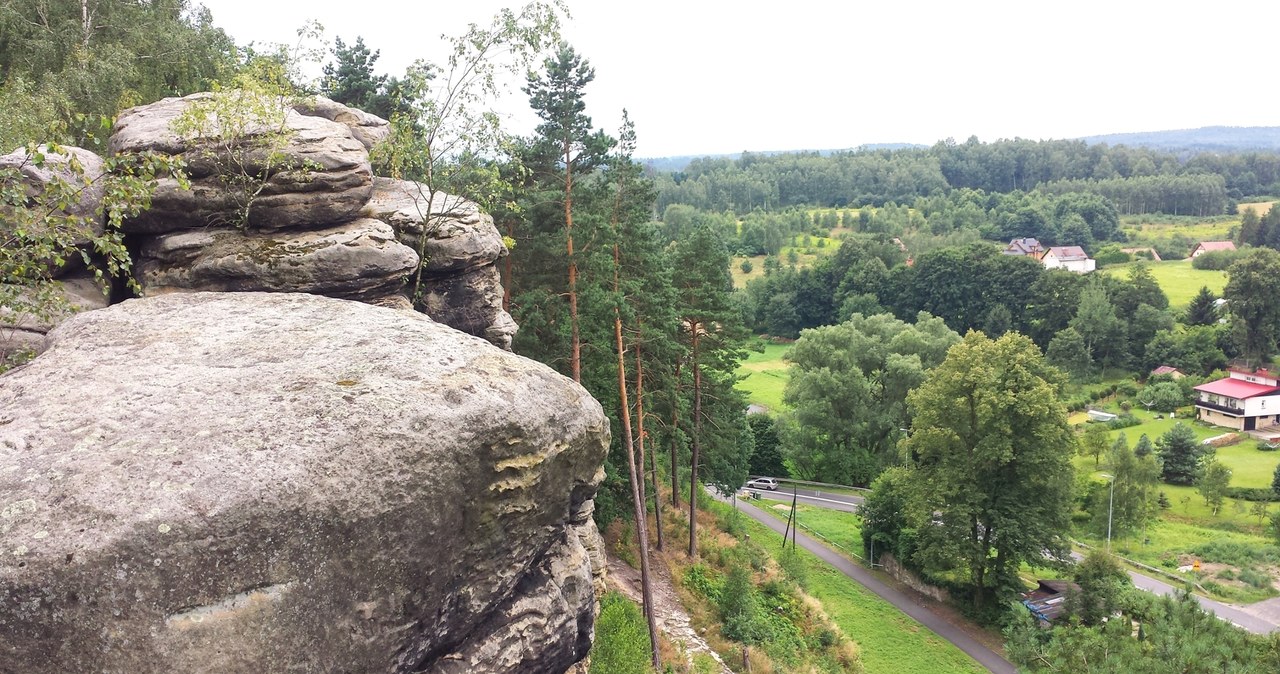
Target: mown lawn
{"type": "Point", "coordinates": [765, 376]}
{"type": "Point", "coordinates": [1179, 280]}
{"type": "Point", "coordinates": [890, 641]}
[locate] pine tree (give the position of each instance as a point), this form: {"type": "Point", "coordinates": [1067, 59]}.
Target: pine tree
{"type": "Point", "coordinates": [567, 143]}
{"type": "Point", "coordinates": [350, 78]}
{"type": "Point", "coordinates": [1202, 311]}
{"type": "Point", "coordinates": [1179, 455]}
{"type": "Point", "coordinates": [710, 326]}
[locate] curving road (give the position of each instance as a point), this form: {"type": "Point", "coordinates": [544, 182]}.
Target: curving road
{"type": "Point", "coordinates": [985, 656]}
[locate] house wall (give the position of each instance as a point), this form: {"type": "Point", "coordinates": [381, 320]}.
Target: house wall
{"type": "Point", "coordinates": [1262, 406]}
{"type": "Point", "coordinates": [1219, 419]}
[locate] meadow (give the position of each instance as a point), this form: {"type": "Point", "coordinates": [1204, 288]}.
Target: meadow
{"type": "Point", "coordinates": [1178, 279]}
{"type": "Point", "coordinates": [764, 376]}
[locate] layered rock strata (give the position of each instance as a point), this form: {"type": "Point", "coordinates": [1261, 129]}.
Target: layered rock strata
{"type": "Point", "coordinates": [460, 248]}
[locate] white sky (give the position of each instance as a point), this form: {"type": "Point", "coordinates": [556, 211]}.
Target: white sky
{"type": "Point", "coordinates": [704, 77]}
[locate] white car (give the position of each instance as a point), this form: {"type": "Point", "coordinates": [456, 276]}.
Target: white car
{"type": "Point", "coordinates": [763, 483]}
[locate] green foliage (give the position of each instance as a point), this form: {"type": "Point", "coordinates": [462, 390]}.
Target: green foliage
{"type": "Point", "coordinates": [1162, 397]}
{"type": "Point", "coordinates": [241, 133]}
{"type": "Point", "coordinates": [1253, 284]}
{"type": "Point", "coordinates": [1103, 584]}
{"type": "Point", "coordinates": [740, 609]}
{"type": "Point", "coordinates": [766, 456]}
{"type": "Point", "coordinates": [622, 638]}
{"type": "Point", "coordinates": [1179, 455]}
{"type": "Point", "coordinates": [994, 454]}
{"type": "Point", "coordinates": [868, 364]}
{"type": "Point", "coordinates": [1217, 260]}
{"type": "Point", "coordinates": [65, 62]}
{"type": "Point", "coordinates": [1068, 352]}
{"type": "Point", "coordinates": [1212, 484]}
{"type": "Point", "coordinates": [1155, 634]}
{"type": "Point", "coordinates": [44, 229]}
{"type": "Point", "coordinates": [1095, 441]}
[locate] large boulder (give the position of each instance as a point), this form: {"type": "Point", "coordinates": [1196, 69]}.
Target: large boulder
{"type": "Point", "coordinates": [358, 260]}
{"type": "Point", "coordinates": [460, 245]}
{"type": "Point", "coordinates": [258, 482]}
{"type": "Point", "coordinates": [28, 313]}
{"type": "Point", "coordinates": [270, 168]}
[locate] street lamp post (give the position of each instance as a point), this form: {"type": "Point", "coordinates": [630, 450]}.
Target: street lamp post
{"type": "Point", "coordinates": [1111, 501]}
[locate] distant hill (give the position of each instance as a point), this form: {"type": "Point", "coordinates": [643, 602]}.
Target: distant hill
{"type": "Point", "coordinates": [1204, 139]}
{"type": "Point", "coordinates": [678, 163]}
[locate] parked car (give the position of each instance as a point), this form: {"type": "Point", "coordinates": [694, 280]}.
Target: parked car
{"type": "Point", "coordinates": [763, 483]}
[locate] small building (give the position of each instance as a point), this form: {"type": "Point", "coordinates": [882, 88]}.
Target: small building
{"type": "Point", "coordinates": [1173, 372]}
{"type": "Point", "coordinates": [1071, 258]}
{"type": "Point", "coordinates": [1048, 601]}
{"type": "Point", "coordinates": [1027, 246]}
{"type": "Point", "coordinates": [1143, 252]}
{"type": "Point", "coordinates": [1246, 400]}
{"type": "Point", "coordinates": [1210, 246]}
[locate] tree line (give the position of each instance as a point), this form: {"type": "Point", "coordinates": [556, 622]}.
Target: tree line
{"type": "Point", "coordinates": [1137, 180]}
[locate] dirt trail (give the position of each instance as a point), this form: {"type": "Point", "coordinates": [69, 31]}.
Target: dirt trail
{"type": "Point", "coordinates": [672, 619]}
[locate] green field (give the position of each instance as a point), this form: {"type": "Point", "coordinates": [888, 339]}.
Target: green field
{"type": "Point", "coordinates": [764, 376]}
{"type": "Point", "coordinates": [1179, 280]}
{"type": "Point", "coordinates": [890, 641]}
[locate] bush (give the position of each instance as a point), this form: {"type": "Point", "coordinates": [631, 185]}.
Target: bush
{"type": "Point", "coordinates": [622, 638]}
{"type": "Point", "coordinates": [702, 580]}
{"type": "Point", "coordinates": [1217, 260]}
{"type": "Point", "coordinates": [1255, 578]}
{"type": "Point", "coordinates": [1123, 421]}
{"type": "Point", "coordinates": [1254, 494]}
{"type": "Point", "coordinates": [1265, 446]}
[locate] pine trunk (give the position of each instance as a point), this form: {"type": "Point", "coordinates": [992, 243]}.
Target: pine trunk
{"type": "Point", "coordinates": [697, 445]}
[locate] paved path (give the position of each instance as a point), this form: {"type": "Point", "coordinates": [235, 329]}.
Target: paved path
{"type": "Point", "coordinates": [985, 656]}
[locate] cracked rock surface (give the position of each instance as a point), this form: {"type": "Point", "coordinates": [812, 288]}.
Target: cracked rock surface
{"type": "Point", "coordinates": [270, 482]}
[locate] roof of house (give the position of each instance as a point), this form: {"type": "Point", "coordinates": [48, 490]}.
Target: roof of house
{"type": "Point", "coordinates": [1165, 369]}
{"type": "Point", "coordinates": [1237, 388]}
{"type": "Point", "coordinates": [1216, 245]}
{"type": "Point", "coordinates": [1023, 246]}
{"type": "Point", "coordinates": [1067, 253]}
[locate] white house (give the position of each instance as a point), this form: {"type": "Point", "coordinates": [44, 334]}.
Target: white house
{"type": "Point", "coordinates": [1071, 258]}
{"type": "Point", "coordinates": [1246, 400]}
{"type": "Point", "coordinates": [1210, 246]}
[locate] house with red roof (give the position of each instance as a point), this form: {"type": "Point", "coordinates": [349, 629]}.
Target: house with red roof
{"type": "Point", "coordinates": [1071, 258]}
{"type": "Point", "coordinates": [1246, 400]}
{"type": "Point", "coordinates": [1209, 246]}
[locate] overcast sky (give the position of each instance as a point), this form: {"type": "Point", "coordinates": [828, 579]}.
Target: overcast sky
{"type": "Point", "coordinates": [705, 77]}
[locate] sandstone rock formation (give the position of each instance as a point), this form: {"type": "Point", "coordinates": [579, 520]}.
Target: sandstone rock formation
{"type": "Point", "coordinates": [357, 260]}
{"type": "Point", "coordinates": [317, 172]}
{"type": "Point", "coordinates": [367, 128]}
{"type": "Point", "coordinates": [310, 229]}
{"type": "Point", "coordinates": [82, 186]}
{"type": "Point", "coordinates": [20, 329]}
{"type": "Point", "coordinates": [461, 286]}
{"type": "Point", "coordinates": [256, 482]}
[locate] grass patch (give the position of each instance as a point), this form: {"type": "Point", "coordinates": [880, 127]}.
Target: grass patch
{"type": "Point", "coordinates": [764, 376]}
{"type": "Point", "coordinates": [890, 641]}
{"type": "Point", "coordinates": [1178, 279]}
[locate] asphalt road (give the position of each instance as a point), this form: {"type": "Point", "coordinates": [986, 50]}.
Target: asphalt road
{"type": "Point", "coordinates": [813, 497]}
{"type": "Point", "coordinates": [985, 656]}
{"type": "Point", "coordinates": [849, 503]}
